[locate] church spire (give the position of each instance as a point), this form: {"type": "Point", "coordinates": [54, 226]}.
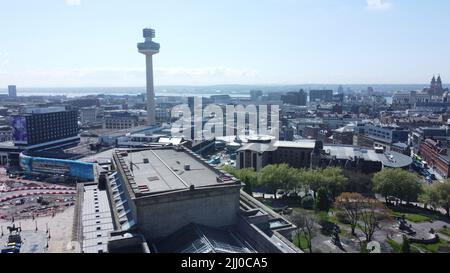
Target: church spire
{"type": "Point", "coordinates": [439, 82]}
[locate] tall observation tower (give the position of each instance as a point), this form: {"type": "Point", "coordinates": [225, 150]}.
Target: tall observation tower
{"type": "Point", "coordinates": [149, 48]}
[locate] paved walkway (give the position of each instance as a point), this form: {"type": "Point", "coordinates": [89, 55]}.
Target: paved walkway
{"type": "Point", "coordinates": [60, 228]}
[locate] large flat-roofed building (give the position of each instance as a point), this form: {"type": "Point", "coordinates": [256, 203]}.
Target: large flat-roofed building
{"type": "Point", "coordinates": [170, 188]}
{"type": "Point", "coordinates": [379, 135]}
{"type": "Point", "coordinates": [40, 128]}
{"type": "Point", "coordinates": [174, 201]}
{"type": "Point", "coordinates": [312, 153]}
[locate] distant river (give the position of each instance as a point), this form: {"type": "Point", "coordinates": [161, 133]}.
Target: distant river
{"type": "Point", "coordinates": [232, 90]}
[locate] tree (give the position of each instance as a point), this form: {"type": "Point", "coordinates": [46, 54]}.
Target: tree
{"type": "Point", "coordinates": [323, 200]}
{"type": "Point", "coordinates": [308, 202]}
{"type": "Point", "coordinates": [276, 177]}
{"type": "Point", "coordinates": [305, 227]}
{"type": "Point", "coordinates": [330, 178]}
{"type": "Point", "coordinates": [430, 197]}
{"type": "Point", "coordinates": [443, 192]}
{"type": "Point", "coordinates": [351, 204]}
{"type": "Point", "coordinates": [358, 182]}
{"type": "Point", "coordinates": [247, 176]}
{"type": "Point", "coordinates": [336, 182]}
{"type": "Point", "coordinates": [371, 212]}
{"type": "Point", "coordinates": [398, 183]}
{"type": "Point", "coordinates": [312, 180]}
{"type": "Point", "coordinates": [406, 246]}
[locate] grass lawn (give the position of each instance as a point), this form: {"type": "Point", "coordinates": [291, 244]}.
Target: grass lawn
{"type": "Point", "coordinates": [445, 231]}
{"type": "Point", "coordinates": [413, 217]}
{"type": "Point", "coordinates": [396, 246]}
{"type": "Point", "coordinates": [302, 244]}
{"type": "Point", "coordinates": [433, 248]}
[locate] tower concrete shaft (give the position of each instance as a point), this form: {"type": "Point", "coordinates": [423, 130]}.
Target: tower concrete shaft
{"type": "Point", "coordinates": [149, 48]}
{"type": "Point", "coordinates": [151, 107]}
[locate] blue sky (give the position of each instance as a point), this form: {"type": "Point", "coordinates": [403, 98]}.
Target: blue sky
{"type": "Point", "coordinates": [70, 43]}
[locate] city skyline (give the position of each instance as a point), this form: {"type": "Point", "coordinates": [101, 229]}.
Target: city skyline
{"type": "Point", "coordinates": [259, 43]}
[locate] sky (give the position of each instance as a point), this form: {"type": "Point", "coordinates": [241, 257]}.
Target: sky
{"type": "Point", "coordinates": [79, 43]}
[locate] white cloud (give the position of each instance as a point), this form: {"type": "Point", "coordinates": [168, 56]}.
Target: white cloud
{"type": "Point", "coordinates": [73, 2]}
{"type": "Point", "coordinates": [378, 4]}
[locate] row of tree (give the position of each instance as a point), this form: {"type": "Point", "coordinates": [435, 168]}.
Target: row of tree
{"type": "Point", "coordinates": [406, 186]}
{"type": "Point", "coordinates": [275, 177]}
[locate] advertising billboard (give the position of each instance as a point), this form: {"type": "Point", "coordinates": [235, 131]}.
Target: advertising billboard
{"type": "Point", "coordinates": [19, 130]}
{"type": "Point", "coordinates": [76, 169]}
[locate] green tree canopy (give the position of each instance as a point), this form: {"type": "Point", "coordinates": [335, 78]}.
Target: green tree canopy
{"type": "Point", "coordinates": [323, 202]}
{"type": "Point", "coordinates": [443, 192]}
{"type": "Point", "coordinates": [398, 183]}
{"type": "Point", "coordinates": [280, 176]}
{"type": "Point", "coordinates": [247, 176]}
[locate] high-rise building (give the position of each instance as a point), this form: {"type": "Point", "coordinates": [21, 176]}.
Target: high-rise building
{"type": "Point", "coordinates": [149, 48]}
{"type": "Point", "coordinates": [40, 128]}
{"type": "Point", "coordinates": [12, 91]}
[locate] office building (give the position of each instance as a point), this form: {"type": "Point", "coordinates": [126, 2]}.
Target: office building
{"type": "Point", "coordinates": [45, 128]}
{"type": "Point", "coordinates": [384, 136]}
{"type": "Point", "coordinates": [12, 91]}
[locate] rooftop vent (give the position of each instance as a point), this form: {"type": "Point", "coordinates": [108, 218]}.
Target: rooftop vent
{"type": "Point", "coordinates": [187, 167]}
{"type": "Point", "coordinates": [153, 178]}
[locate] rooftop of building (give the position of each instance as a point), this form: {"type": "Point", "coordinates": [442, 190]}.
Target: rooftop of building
{"type": "Point", "coordinates": [96, 219]}
{"type": "Point", "coordinates": [389, 159]}
{"type": "Point", "coordinates": [42, 110]}
{"type": "Point", "coordinates": [166, 170]}
{"type": "Point", "coordinates": [202, 239]}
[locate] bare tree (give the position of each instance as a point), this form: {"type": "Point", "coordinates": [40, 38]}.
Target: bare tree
{"type": "Point", "coordinates": [371, 213]}
{"type": "Point", "coordinates": [305, 227]}
{"type": "Point", "coordinates": [351, 204]}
